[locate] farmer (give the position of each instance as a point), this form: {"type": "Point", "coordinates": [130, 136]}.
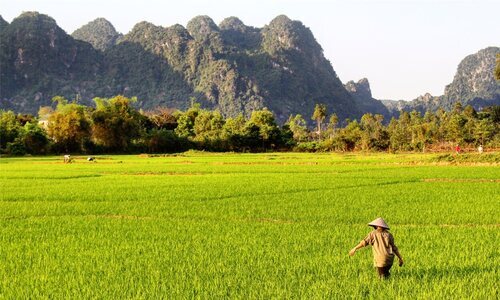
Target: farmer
{"type": "Point", "coordinates": [383, 247]}
{"type": "Point", "coordinates": [480, 149]}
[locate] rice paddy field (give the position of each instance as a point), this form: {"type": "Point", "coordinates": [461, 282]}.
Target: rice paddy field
{"type": "Point", "coordinates": [246, 226]}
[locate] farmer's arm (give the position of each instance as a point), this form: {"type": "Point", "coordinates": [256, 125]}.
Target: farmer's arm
{"type": "Point", "coordinates": [364, 242]}
{"type": "Point", "coordinates": [358, 246]}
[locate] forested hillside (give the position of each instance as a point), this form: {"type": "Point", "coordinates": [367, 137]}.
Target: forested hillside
{"type": "Point", "coordinates": [230, 67]}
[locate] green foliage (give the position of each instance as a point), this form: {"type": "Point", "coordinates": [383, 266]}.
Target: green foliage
{"type": "Point", "coordinates": [34, 139]}
{"type": "Point", "coordinates": [115, 123]}
{"type": "Point", "coordinates": [350, 136]}
{"type": "Point", "coordinates": [185, 122]}
{"type": "Point", "coordinates": [319, 115]}
{"type": "Point", "coordinates": [263, 122]}
{"type": "Point", "coordinates": [208, 130]}
{"type": "Point", "coordinates": [9, 128]}
{"type": "Point", "coordinates": [298, 126]}
{"type": "Point", "coordinates": [21, 135]}
{"type": "Point", "coordinates": [163, 140]}
{"type": "Point", "coordinates": [374, 136]}
{"type": "Point", "coordinates": [69, 126]}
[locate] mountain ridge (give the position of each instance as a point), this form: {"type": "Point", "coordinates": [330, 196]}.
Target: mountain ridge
{"type": "Point", "coordinates": [230, 67]}
{"type": "Point", "coordinates": [233, 67]}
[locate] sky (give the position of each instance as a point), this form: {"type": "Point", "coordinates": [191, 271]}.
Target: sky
{"type": "Point", "coordinates": [405, 48]}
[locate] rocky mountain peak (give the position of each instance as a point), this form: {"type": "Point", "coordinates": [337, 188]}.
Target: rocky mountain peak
{"type": "Point", "coordinates": [362, 88]}
{"type": "Point", "coordinates": [283, 34]}
{"type": "Point", "coordinates": [34, 15]}
{"type": "Point", "coordinates": [239, 36]}
{"type": "Point", "coordinates": [145, 33]}
{"type": "Point", "coordinates": [362, 93]}
{"type": "Point", "coordinates": [33, 20]}
{"type": "Point", "coordinates": [232, 23]}
{"type": "Point", "coordinates": [101, 23]}
{"type": "Point", "coordinates": [142, 26]}
{"type": "Point", "coordinates": [475, 78]}
{"type": "Point", "coordinates": [427, 100]}
{"type": "Point", "coordinates": [280, 21]}
{"type": "Point", "coordinates": [179, 29]}
{"type": "Point", "coordinates": [176, 34]}
{"type": "Point", "coordinates": [100, 33]}
{"type": "Point", "coordinates": [201, 27]}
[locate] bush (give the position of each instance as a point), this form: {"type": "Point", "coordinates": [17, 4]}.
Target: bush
{"type": "Point", "coordinates": [307, 147]}
{"type": "Point", "coordinates": [16, 148]}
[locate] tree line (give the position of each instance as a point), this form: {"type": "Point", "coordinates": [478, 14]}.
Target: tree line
{"type": "Point", "coordinates": [115, 126]}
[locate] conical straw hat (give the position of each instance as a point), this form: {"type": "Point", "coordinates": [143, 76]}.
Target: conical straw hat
{"type": "Point", "coordinates": [379, 222]}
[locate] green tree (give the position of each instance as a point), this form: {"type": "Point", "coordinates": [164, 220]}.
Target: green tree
{"type": "Point", "coordinates": [350, 136]}
{"type": "Point", "coordinates": [233, 133]}
{"type": "Point", "coordinates": [10, 128]}
{"type": "Point", "coordinates": [298, 126]}
{"type": "Point", "coordinates": [116, 124]}
{"type": "Point", "coordinates": [373, 136]}
{"type": "Point", "coordinates": [208, 130]}
{"type": "Point", "coordinates": [332, 125]}
{"type": "Point", "coordinates": [165, 140]}
{"type": "Point", "coordinates": [185, 121]}
{"type": "Point", "coordinates": [69, 126]}
{"type": "Point", "coordinates": [319, 115]}
{"type": "Point", "coordinates": [484, 131]}
{"type": "Point", "coordinates": [458, 108]}
{"type": "Point", "coordinates": [455, 128]}
{"type": "Point", "coordinates": [263, 123]}
{"type": "Point", "coordinates": [34, 139]}
{"type": "Point", "coordinates": [400, 133]}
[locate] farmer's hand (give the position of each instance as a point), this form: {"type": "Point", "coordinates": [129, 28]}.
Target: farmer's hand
{"type": "Point", "coordinates": [400, 262]}
{"type": "Point", "coordinates": [353, 250]}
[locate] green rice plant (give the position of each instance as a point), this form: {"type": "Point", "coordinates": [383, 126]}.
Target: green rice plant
{"type": "Point", "coordinates": [276, 225]}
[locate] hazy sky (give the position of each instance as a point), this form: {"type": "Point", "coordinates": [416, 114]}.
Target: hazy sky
{"type": "Point", "coordinates": [404, 47]}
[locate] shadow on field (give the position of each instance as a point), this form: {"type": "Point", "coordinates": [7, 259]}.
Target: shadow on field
{"type": "Point", "coordinates": [442, 272]}
{"type": "Point", "coordinates": [54, 177]}
{"type": "Point", "coordinates": [336, 188]}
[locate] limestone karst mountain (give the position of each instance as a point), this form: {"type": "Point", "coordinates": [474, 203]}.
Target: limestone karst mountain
{"type": "Point", "coordinates": [474, 84]}
{"type": "Point", "coordinates": [100, 33]}
{"type": "Point", "coordinates": [231, 67]}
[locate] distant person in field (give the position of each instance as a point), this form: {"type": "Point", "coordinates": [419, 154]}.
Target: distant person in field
{"type": "Point", "coordinates": [458, 149]}
{"type": "Point", "coordinates": [480, 149]}
{"type": "Point", "coordinates": [383, 247]}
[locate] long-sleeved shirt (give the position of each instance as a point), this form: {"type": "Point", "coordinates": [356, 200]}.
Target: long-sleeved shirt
{"type": "Point", "coordinates": [383, 247]}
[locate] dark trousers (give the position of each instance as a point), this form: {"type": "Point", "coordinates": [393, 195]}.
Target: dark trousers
{"type": "Point", "coordinates": [383, 272]}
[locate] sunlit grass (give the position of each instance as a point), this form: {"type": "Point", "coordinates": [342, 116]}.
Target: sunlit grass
{"type": "Point", "coordinates": [245, 226]}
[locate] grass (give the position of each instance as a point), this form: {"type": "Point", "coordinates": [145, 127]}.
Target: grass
{"type": "Point", "coordinates": [261, 226]}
